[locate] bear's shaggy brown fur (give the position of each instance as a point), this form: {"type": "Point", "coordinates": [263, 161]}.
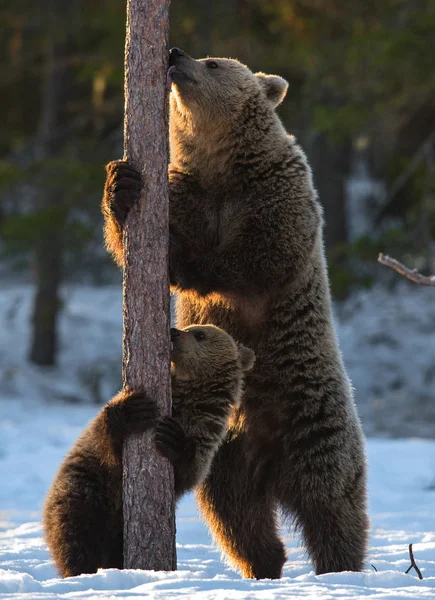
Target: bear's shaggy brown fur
{"type": "Point", "coordinates": [247, 255]}
{"type": "Point", "coordinates": [83, 513]}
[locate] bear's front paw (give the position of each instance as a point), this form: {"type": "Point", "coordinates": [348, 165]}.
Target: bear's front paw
{"type": "Point", "coordinates": [121, 190]}
{"type": "Point", "coordinates": [135, 413]}
{"type": "Point", "coordinates": [171, 441]}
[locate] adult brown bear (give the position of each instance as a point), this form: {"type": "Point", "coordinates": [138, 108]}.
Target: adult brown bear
{"type": "Point", "coordinates": [247, 255]}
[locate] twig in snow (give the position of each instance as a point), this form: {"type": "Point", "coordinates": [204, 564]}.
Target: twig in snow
{"type": "Point", "coordinates": [413, 565]}
{"type": "Point", "coordinates": [411, 274]}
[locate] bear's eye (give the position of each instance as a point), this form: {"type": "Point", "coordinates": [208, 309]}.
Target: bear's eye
{"type": "Point", "coordinates": [199, 336]}
{"type": "Point", "coordinates": [211, 64]}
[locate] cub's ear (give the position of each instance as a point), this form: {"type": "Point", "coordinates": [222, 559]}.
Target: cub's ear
{"type": "Point", "coordinates": [275, 87]}
{"type": "Point", "coordinates": [246, 357]}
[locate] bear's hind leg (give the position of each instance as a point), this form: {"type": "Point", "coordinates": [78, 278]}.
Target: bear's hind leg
{"type": "Point", "coordinates": [78, 522]}
{"type": "Point", "coordinates": [241, 519]}
{"type": "Point", "coordinates": [336, 540]}
{"type": "Point", "coordinates": [335, 530]}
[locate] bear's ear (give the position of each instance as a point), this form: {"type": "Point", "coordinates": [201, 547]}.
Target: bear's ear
{"type": "Point", "coordinates": [275, 87]}
{"type": "Point", "coordinates": [246, 357]}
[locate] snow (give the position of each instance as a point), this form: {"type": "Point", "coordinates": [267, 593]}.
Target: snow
{"type": "Point", "coordinates": [388, 344]}
{"type": "Point", "coordinates": [400, 505]}
{"type": "Point", "coordinates": [42, 411]}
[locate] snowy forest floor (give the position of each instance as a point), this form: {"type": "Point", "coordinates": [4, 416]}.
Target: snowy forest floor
{"type": "Point", "coordinates": [388, 343]}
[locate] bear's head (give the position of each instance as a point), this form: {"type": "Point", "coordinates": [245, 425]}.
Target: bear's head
{"type": "Point", "coordinates": [206, 352]}
{"type": "Point", "coordinates": [218, 88]}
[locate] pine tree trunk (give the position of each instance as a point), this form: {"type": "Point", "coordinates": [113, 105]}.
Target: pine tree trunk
{"type": "Point", "coordinates": [148, 486]}
{"type": "Point", "coordinates": [48, 276]}
{"type": "Point", "coordinates": [49, 248]}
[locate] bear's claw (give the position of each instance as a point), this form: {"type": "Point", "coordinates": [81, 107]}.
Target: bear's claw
{"type": "Point", "coordinates": [171, 441]}
{"type": "Point", "coordinates": [135, 414]}
{"type": "Point", "coordinates": [122, 189]}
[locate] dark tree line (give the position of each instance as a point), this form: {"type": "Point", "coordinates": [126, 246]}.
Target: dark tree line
{"type": "Point", "coordinates": [361, 93]}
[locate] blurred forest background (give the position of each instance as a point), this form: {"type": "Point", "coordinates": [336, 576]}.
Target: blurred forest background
{"type": "Point", "coordinates": [361, 102]}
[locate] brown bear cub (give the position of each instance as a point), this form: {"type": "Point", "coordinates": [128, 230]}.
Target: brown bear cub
{"type": "Point", "coordinates": [247, 255]}
{"type": "Point", "coordinates": [83, 511]}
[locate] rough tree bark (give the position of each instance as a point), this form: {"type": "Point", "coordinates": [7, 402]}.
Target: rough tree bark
{"type": "Point", "coordinates": [148, 487]}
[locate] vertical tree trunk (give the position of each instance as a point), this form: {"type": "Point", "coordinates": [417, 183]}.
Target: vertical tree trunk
{"type": "Point", "coordinates": [148, 487]}
{"type": "Point", "coordinates": [427, 209]}
{"type": "Point", "coordinates": [49, 248]}
{"type": "Point", "coordinates": [331, 166]}
{"type": "Point", "coordinates": [48, 275]}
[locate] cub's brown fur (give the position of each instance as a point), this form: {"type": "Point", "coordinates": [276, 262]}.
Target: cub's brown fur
{"type": "Point", "coordinates": [247, 254]}
{"type": "Point", "coordinates": [83, 512]}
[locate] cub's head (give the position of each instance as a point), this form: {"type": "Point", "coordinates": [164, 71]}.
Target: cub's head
{"type": "Point", "coordinates": [206, 352]}
{"type": "Point", "coordinates": [211, 88]}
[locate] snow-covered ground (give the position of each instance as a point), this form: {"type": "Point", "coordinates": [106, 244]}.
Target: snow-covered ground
{"type": "Point", "coordinates": [35, 436]}
{"type": "Point", "coordinates": [43, 410]}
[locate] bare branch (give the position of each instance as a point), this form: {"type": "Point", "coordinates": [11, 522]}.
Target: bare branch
{"type": "Point", "coordinates": [413, 565]}
{"type": "Point", "coordinates": [411, 274]}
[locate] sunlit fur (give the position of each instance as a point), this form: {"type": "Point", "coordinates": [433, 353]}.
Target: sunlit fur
{"type": "Point", "coordinates": [83, 511]}
{"type": "Point", "coordinates": [247, 254]}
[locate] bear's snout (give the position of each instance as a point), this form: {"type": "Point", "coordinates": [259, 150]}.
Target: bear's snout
{"type": "Point", "coordinates": [174, 53]}
{"type": "Point", "coordinates": [175, 333]}
{"type": "Point", "coordinates": [180, 68]}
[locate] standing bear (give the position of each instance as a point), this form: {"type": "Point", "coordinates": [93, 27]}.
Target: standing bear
{"type": "Point", "coordinates": [83, 519]}
{"type": "Point", "coordinates": [247, 254]}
